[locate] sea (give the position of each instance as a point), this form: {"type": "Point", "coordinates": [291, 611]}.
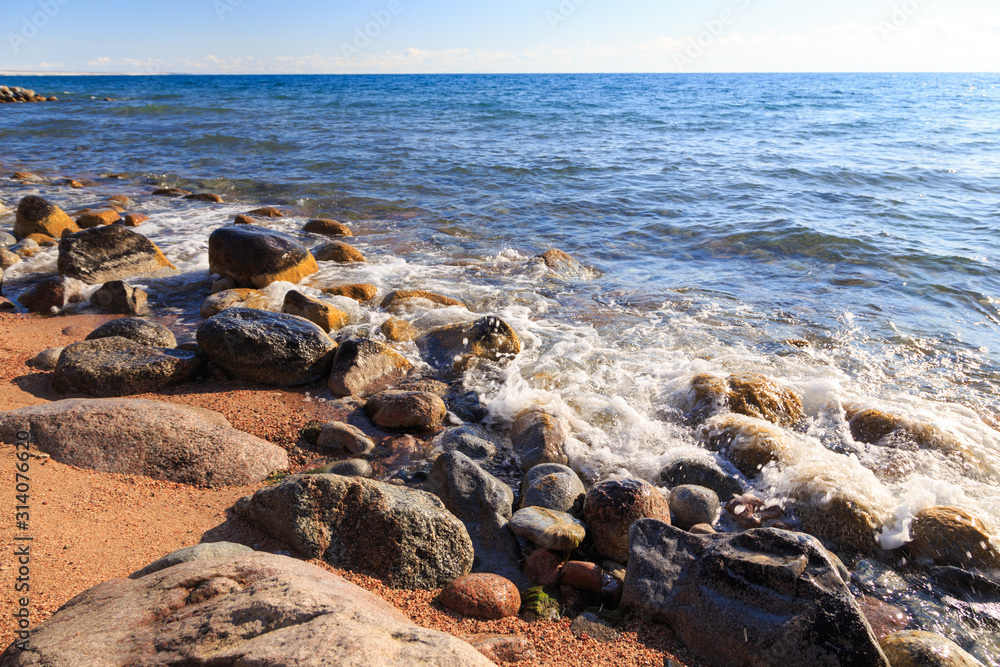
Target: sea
{"type": "Point", "coordinates": [839, 233]}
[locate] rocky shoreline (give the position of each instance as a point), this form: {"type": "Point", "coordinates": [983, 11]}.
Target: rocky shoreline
{"type": "Point", "coordinates": [412, 488]}
{"type": "Point", "coordinates": [13, 94]}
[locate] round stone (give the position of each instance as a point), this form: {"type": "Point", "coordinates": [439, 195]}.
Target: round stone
{"type": "Point", "coordinates": [613, 506]}
{"type": "Point", "coordinates": [482, 595]}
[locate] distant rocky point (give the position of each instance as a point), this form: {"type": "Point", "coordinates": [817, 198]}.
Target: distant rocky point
{"type": "Point", "coordinates": [17, 94]}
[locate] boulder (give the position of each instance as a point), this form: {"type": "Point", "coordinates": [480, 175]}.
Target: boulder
{"type": "Point", "coordinates": [539, 437]}
{"type": "Point", "coordinates": [484, 504]}
{"type": "Point", "coordinates": [560, 262]}
{"type": "Point", "coordinates": [117, 366]}
{"type": "Point", "coordinates": [6, 239]}
{"type": "Point", "coordinates": [339, 252]}
{"type": "Point", "coordinates": [113, 252]}
{"type": "Point", "coordinates": [170, 192]}
{"type": "Point", "coordinates": [270, 348]}
{"type": "Point", "coordinates": [233, 298]}
{"type": "Point", "coordinates": [266, 212]}
{"type": "Point", "coordinates": [403, 536]}
{"type": "Point", "coordinates": [952, 536]}
{"type": "Point", "coordinates": [46, 360]}
{"type": "Point", "coordinates": [202, 551]}
{"type": "Point", "coordinates": [458, 347]}
{"type": "Point", "coordinates": [121, 298]}
{"type": "Point", "coordinates": [345, 468]}
{"type": "Point", "coordinates": [209, 197]}
{"type": "Point", "coordinates": [613, 506]}
{"type": "Point", "coordinates": [38, 216]}
{"type": "Point", "coordinates": [363, 367]}
{"type": "Point", "coordinates": [747, 442]}
{"type": "Point", "coordinates": [481, 595]}
{"type": "Point", "coordinates": [887, 430]}
{"type": "Point", "coordinates": [360, 292]}
{"type": "Point", "coordinates": [764, 597]}
{"type": "Point", "coordinates": [136, 329]}
{"type": "Point", "coordinates": [326, 316]}
{"type": "Point", "coordinates": [8, 259]}
{"type": "Point", "coordinates": [166, 441]}
{"type": "Point", "coordinates": [755, 395]}
{"type": "Point", "coordinates": [327, 227]}
{"type": "Point", "coordinates": [701, 472]}
{"type": "Point", "coordinates": [52, 294]}
{"type": "Point", "coordinates": [691, 505]}
{"type": "Point", "coordinates": [106, 216]}
{"type": "Point", "coordinates": [134, 219]}
{"type": "Point", "coordinates": [553, 486]}
{"type": "Point", "coordinates": [548, 529]}
{"type": "Point", "coordinates": [342, 438]}
{"type": "Point", "coordinates": [416, 411]}
{"type": "Point", "coordinates": [250, 609]}
{"type": "Point", "coordinates": [916, 648]}
{"type": "Point", "coordinates": [244, 219]}
{"type": "Point", "coordinates": [472, 440]}
{"type": "Point", "coordinates": [399, 299]}
{"type": "Point", "coordinates": [256, 257]}
{"type": "Point", "coordinates": [395, 329]}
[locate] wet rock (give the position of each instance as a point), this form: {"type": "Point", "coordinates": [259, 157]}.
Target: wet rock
{"type": "Point", "coordinates": [543, 567]}
{"type": "Point", "coordinates": [343, 438]}
{"type": "Point", "coordinates": [431, 385]}
{"type": "Point", "coordinates": [831, 506]}
{"type": "Point", "coordinates": [326, 316]}
{"type": "Point", "coordinates": [224, 284]}
{"type": "Point", "coordinates": [588, 626]}
{"type": "Point", "coordinates": [164, 441]}
{"type": "Point", "coordinates": [210, 197]}
{"type": "Point", "coordinates": [915, 648]}
{"type": "Point", "coordinates": [233, 298]}
{"type": "Point", "coordinates": [270, 348]}
{"type": "Point", "coordinates": [38, 216]}
{"type": "Point", "coordinates": [763, 597]}
{"type": "Point", "coordinates": [244, 219]}
{"type": "Point", "coordinates": [43, 240]}
{"type": "Point", "coordinates": [266, 212]}
{"type": "Point", "coordinates": [884, 618]}
{"type": "Point", "coordinates": [398, 330]}
{"type": "Point", "coordinates": [484, 504]}
{"type": "Point", "coordinates": [417, 411]}
{"type": "Point", "coordinates": [119, 367]}
{"type": "Point", "coordinates": [458, 347]}
{"type": "Point", "coordinates": [360, 292]}
{"type": "Point", "coordinates": [202, 551]}
{"type": "Point", "coordinates": [363, 367]}
{"type": "Point", "coordinates": [52, 294]}
{"type": "Point", "coordinates": [122, 201]}
{"type": "Point", "coordinates": [502, 648]}
{"type": "Point", "coordinates": [114, 252]}
{"type": "Point", "coordinates": [134, 219]}
{"type": "Point", "coordinates": [398, 300]}
{"type": "Point", "coordinates": [347, 468]}
{"type": "Point", "coordinates": [553, 486]}
{"type": "Point", "coordinates": [121, 298]}
{"type": "Point", "coordinates": [403, 536]}
{"type": "Point", "coordinates": [561, 263]}
{"type": "Point", "coordinates": [952, 536]}
{"type": "Point", "coordinates": [886, 430]}
{"type": "Point", "coordinates": [539, 437]}
{"type": "Point", "coordinates": [26, 248]}
{"type": "Point", "coordinates": [691, 505]}
{"type": "Point", "coordinates": [614, 505]}
{"type": "Point", "coordinates": [755, 395]}
{"type": "Point", "coordinates": [481, 595]}
{"type": "Point", "coordinates": [271, 610]}
{"type": "Point", "coordinates": [327, 227]}
{"type": "Point", "coordinates": [107, 216]}
{"type": "Point", "coordinates": [27, 177]}
{"type": "Point", "coordinates": [339, 252]}
{"type": "Point", "coordinates": [46, 360]}
{"type": "Point", "coordinates": [747, 442]}
{"type": "Point", "coordinates": [470, 439]}
{"type": "Point", "coordinates": [138, 330]}
{"type": "Point", "coordinates": [170, 192]}
{"type": "Point", "coordinates": [6, 239]}
{"type": "Point", "coordinates": [701, 472]}
{"type": "Point", "coordinates": [549, 529]}
{"type": "Point", "coordinates": [256, 257]}
{"type": "Point", "coordinates": [8, 259]}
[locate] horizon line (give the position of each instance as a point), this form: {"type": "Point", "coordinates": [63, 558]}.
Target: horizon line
{"type": "Point", "coordinates": [40, 73]}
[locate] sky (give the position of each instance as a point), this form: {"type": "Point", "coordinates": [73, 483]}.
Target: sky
{"type": "Point", "coordinates": [425, 36]}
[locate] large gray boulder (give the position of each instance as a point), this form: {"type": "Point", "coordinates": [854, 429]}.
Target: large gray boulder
{"type": "Point", "coordinates": [484, 504]}
{"type": "Point", "coordinates": [764, 597]}
{"type": "Point", "coordinates": [403, 536]}
{"type": "Point", "coordinates": [251, 609]}
{"type": "Point", "coordinates": [136, 329]}
{"type": "Point", "coordinates": [117, 366]}
{"type": "Point", "coordinates": [176, 443]}
{"type": "Point", "coordinates": [270, 348]}
{"type": "Point", "coordinates": [110, 252]}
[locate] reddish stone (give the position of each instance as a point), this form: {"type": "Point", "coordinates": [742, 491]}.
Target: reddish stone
{"type": "Point", "coordinates": [582, 574]}
{"type": "Point", "coordinates": [90, 219]}
{"type": "Point", "coordinates": [266, 212]}
{"type": "Point", "coordinates": [244, 219]}
{"type": "Point", "coordinates": [135, 219]}
{"type": "Point", "coordinates": [482, 595]}
{"type": "Point", "coordinates": [572, 600]}
{"type": "Point", "coordinates": [543, 567]}
{"type": "Point", "coordinates": [885, 618]}
{"type": "Point", "coordinates": [613, 506]}
{"type": "Point", "coordinates": [702, 529]}
{"type": "Point", "coordinates": [502, 648]}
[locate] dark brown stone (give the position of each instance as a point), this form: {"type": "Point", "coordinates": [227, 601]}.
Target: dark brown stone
{"type": "Point", "coordinates": [121, 298]}
{"type": "Point", "coordinates": [455, 348]}
{"type": "Point", "coordinates": [417, 411]}
{"type": "Point", "coordinates": [111, 252]}
{"type": "Point", "coordinates": [51, 294]}
{"type": "Point", "coordinates": [539, 437]}
{"type": "Point", "coordinates": [210, 197]}
{"type": "Point", "coordinates": [327, 227]}
{"type": "Point", "coordinates": [360, 292]}
{"type": "Point", "coordinates": [613, 506]}
{"type": "Point", "coordinates": [170, 192]}
{"type": "Point", "coordinates": [338, 252]}
{"type": "Point", "coordinates": [257, 257]}
{"type": "Point", "coordinates": [36, 215]}
{"type": "Point", "coordinates": [757, 396]}
{"type": "Point", "coordinates": [398, 298]}
{"type": "Point", "coordinates": [363, 367]}
{"type": "Point", "coordinates": [105, 216]}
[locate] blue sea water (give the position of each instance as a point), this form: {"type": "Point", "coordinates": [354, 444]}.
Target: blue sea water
{"type": "Point", "coordinates": [721, 216]}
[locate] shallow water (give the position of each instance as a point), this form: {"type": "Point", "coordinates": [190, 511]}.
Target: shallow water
{"type": "Point", "coordinates": [718, 216]}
